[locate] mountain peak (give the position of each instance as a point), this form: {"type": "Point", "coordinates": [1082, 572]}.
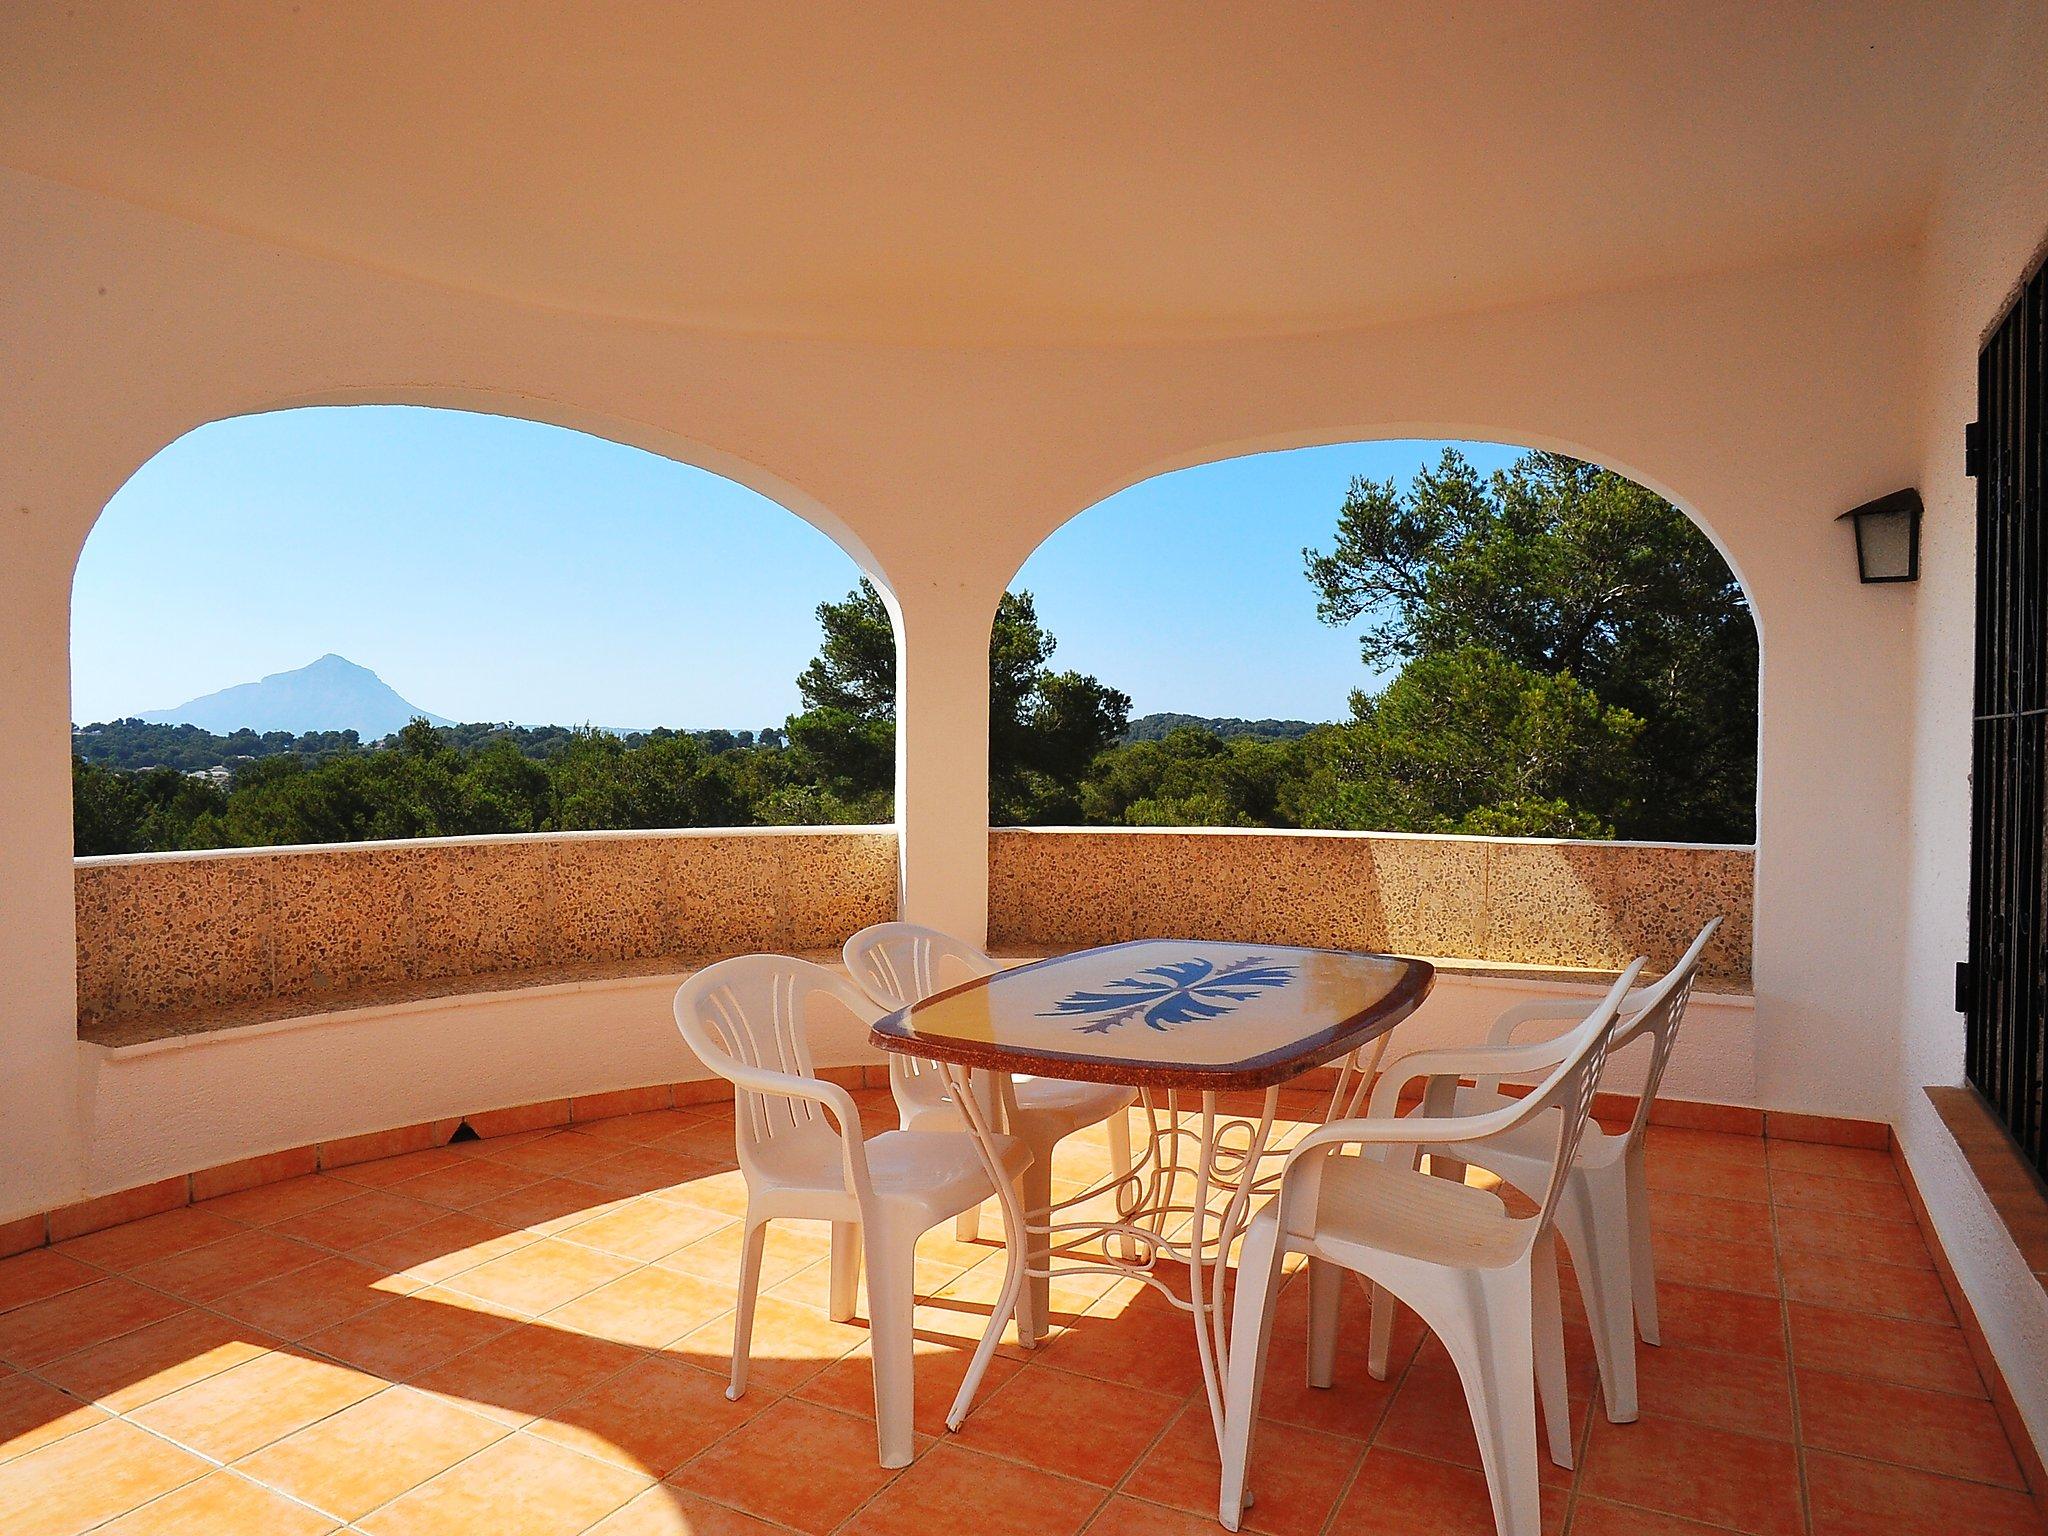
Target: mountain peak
{"type": "Point", "coordinates": [328, 694]}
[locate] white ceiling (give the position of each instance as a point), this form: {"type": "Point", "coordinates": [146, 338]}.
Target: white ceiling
{"type": "Point", "coordinates": [1111, 171]}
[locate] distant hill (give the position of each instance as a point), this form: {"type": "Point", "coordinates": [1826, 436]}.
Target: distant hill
{"type": "Point", "coordinates": [1154, 727]}
{"type": "Point", "coordinates": [331, 694]}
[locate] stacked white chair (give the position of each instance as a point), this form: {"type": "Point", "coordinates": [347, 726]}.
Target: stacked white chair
{"type": "Point", "coordinates": [1484, 1281]}
{"type": "Point", "coordinates": [803, 1156]}
{"type": "Point", "coordinates": [904, 963]}
{"type": "Point", "coordinates": [1605, 1215]}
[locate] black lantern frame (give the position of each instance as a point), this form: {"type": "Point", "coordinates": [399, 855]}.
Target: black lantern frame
{"type": "Point", "coordinates": [1886, 511]}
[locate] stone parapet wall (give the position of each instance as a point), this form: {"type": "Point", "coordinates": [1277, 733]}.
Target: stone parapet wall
{"type": "Point", "coordinates": [173, 942]}
{"type": "Point", "coordinates": [1507, 901]}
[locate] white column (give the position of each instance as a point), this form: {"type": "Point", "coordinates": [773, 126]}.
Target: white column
{"type": "Point", "coordinates": [40, 1163]}
{"type": "Point", "coordinates": [942, 639]}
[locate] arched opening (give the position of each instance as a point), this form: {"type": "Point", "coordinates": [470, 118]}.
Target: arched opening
{"type": "Point", "coordinates": [1414, 636]}
{"type": "Point", "coordinates": [598, 637]}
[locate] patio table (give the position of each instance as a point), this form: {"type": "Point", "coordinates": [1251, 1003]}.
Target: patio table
{"type": "Point", "coordinates": [1183, 1021]}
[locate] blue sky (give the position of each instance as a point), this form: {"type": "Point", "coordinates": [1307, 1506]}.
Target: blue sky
{"type": "Point", "coordinates": [491, 569]}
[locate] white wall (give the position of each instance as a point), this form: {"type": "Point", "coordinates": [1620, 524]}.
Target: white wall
{"type": "Point", "coordinates": [1991, 219]}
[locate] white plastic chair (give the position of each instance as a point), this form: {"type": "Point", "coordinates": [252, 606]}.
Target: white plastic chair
{"type": "Point", "coordinates": [903, 963]}
{"type": "Point", "coordinates": [745, 1019]}
{"type": "Point", "coordinates": [1483, 1280]}
{"type": "Point", "coordinates": [1605, 1215]}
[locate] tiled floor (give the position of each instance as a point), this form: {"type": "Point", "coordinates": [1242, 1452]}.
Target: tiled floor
{"type": "Point", "coordinates": [526, 1337]}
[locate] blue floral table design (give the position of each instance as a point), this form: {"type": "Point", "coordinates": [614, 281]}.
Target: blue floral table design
{"type": "Point", "coordinates": [1184, 1021]}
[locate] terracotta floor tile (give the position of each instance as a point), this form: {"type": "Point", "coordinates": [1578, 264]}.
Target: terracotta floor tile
{"type": "Point", "coordinates": [309, 1299]}
{"type": "Point", "coordinates": [248, 1406]}
{"type": "Point", "coordinates": [645, 1229]}
{"type": "Point", "coordinates": [1400, 1495]}
{"type": "Point", "coordinates": [46, 1330]}
{"type": "Point", "coordinates": [540, 1276]}
{"type": "Point", "coordinates": [1853, 1285]}
{"type": "Point", "coordinates": [548, 1156]}
{"type": "Point", "coordinates": [383, 1172]}
{"type": "Point", "coordinates": [1851, 1197]}
{"type": "Point", "coordinates": [1832, 1162]}
{"type": "Point", "coordinates": [722, 1190]}
{"type": "Point", "coordinates": [408, 1335]}
{"type": "Point", "coordinates": [1147, 1344]}
{"type": "Point", "coordinates": [1006, 1499]}
{"type": "Point", "coordinates": [791, 1344]}
{"type": "Point", "coordinates": [549, 1207]}
{"type": "Point", "coordinates": [1739, 1481]}
{"type": "Point", "coordinates": [369, 1453]}
{"type": "Point", "coordinates": [791, 1246]}
{"type": "Point", "coordinates": [848, 1384]}
{"type": "Point", "coordinates": [89, 1477]}
{"type": "Point", "coordinates": [1934, 1431]}
{"type": "Point", "coordinates": [668, 1511]}
{"type": "Point", "coordinates": [1073, 1425]}
{"type": "Point", "coordinates": [1853, 1237]}
{"type": "Point", "coordinates": [1707, 1146]}
{"type": "Point", "coordinates": [139, 1367]}
{"type": "Point", "coordinates": [360, 1219]}
{"type": "Point", "coordinates": [232, 1264]}
{"type": "Point", "coordinates": [34, 1414]}
{"type": "Point", "coordinates": [643, 1129]}
{"type": "Point", "coordinates": [265, 1204]}
{"type": "Point", "coordinates": [1928, 1355]}
{"type": "Point", "coordinates": [465, 1182]}
{"type": "Point", "coordinates": [643, 1171]}
{"type": "Point", "coordinates": [751, 1468]}
{"type": "Point", "coordinates": [1430, 1416]}
{"type": "Point", "coordinates": [527, 1371]}
{"type": "Point", "coordinates": [653, 1416]}
{"type": "Point", "coordinates": [220, 1504]}
{"type": "Point", "coordinates": [1852, 1497]}
{"type": "Point", "coordinates": [1674, 1213]}
{"type": "Point", "coordinates": [1596, 1517]}
{"type": "Point", "coordinates": [1739, 1392]}
{"type": "Point", "coordinates": [136, 1242]}
{"type": "Point", "coordinates": [1700, 1318]}
{"type": "Point", "coordinates": [1298, 1475]}
{"type": "Point", "coordinates": [649, 1307]}
{"type": "Point", "coordinates": [1688, 1258]}
{"type": "Point", "coordinates": [1679, 1170]}
{"type": "Point", "coordinates": [441, 1249]}
{"type": "Point", "coordinates": [41, 1273]}
{"type": "Point", "coordinates": [521, 1484]}
{"type": "Point", "coordinates": [1124, 1516]}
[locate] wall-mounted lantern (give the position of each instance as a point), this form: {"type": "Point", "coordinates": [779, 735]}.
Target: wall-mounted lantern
{"type": "Point", "coordinates": [1887, 537]}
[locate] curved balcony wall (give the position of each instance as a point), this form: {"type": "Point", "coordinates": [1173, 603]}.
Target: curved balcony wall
{"type": "Point", "coordinates": [1505, 903]}
{"type": "Point", "coordinates": [252, 1003]}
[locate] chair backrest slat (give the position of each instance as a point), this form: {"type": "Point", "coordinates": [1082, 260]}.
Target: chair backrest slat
{"type": "Point", "coordinates": [1658, 1018]}
{"type": "Point", "coordinates": [1571, 1087]}
{"type": "Point", "coordinates": [750, 1012]}
{"type": "Point", "coordinates": [903, 963]}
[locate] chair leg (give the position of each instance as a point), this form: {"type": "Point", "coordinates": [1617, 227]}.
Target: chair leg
{"type": "Point", "coordinates": [1382, 1342]}
{"type": "Point", "coordinates": [967, 1225]}
{"type": "Point", "coordinates": [892, 1304]}
{"type": "Point", "coordinates": [845, 1289]}
{"type": "Point", "coordinates": [1251, 1333]}
{"type": "Point", "coordinates": [1493, 1347]}
{"type": "Point", "coordinates": [1325, 1302]}
{"type": "Point", "coordinates": [1593, 1218]}
{"type": "Point", "coordinates": [1546, 1321]}
{"type": "Point", "coordinates": [1642, 1262]}
{"type": "Point", "coordinates": [743, 1316]}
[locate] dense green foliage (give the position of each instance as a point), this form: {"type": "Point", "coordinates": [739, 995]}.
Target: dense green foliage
{"type": "Point", "coordinates": [1564, 655]}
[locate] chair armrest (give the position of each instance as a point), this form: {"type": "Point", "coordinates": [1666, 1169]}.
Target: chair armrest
{"type": "Point", "coordinates": [1568, 1010]}
{"type": "Point", "coordinates": [1488, 1061]}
